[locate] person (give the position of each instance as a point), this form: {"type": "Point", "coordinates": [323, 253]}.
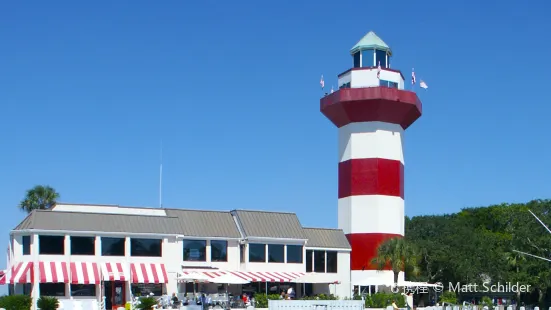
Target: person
{"type": "Point", "coordinates": [246, 300]}
{"type": "Point", "coordinates": [291, 293]}
{"type": "Point", "coordinates": [409, 300]}
{"type": "Point", "coordinates": [204, 302]}
{"type": "Point", "coordinates": [175, 301]}
{"type": "Point", "coordinates": [282, 295]}
{"type": "Point", "coordinates": [394, 306]}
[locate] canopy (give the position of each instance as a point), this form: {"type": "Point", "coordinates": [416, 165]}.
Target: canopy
{"type": "Point", "coordinates": [317, 278]}
{"type": "Point", "coordinates": [228, 279]}
{"type": "Point", "coordinates": [193, 276]}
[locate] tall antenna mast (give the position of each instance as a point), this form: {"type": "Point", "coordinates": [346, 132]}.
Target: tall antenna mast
{"type": "Point", "coordinates": [161, 178]}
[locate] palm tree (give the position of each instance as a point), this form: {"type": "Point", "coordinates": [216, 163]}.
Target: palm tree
{"type": "Point", "coordinates": [397, 254]}
{"type": "Point", "coordinates": [39, 197]}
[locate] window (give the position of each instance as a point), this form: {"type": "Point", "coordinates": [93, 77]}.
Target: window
{"type": "Point", "coordinates": [309, 261]}
{"type": "Point", "coordinates": [83, 290]}
{"type": "Point", "coordinates": [145, 289]}
{"type": "Point", "coordinates": [294, 254]}
{"type": "Point", "coordinates": [331, 261]}
{"type": "Point", "coordinates": [367, 58]}
{"type": "Point", "coordinates": [388, 84]}
{"type": "Point", "coordinates": [52, 289]}
{"type": "Point", "coordinates": [345, 85]}
{"type": "Point", "coordinates": [51, 245]}
{"type": "Point", "coordinates": [257, 253]}
{"type": "Point", "coordinates": [276, 253]}
{"type": "Point", "coordinates": [380, 57]}
{"type": "Point", "coordinates": [357, 60]}
{"type": "Point", "coordinates": [242, 252]}
{"type": "Point", "coordinates": [83, 246]}
{"type": "Point", "coordinates": [195, 250]}
{"type": "Point", "coordinates": [26, 242]}
{"type": "Point", "coordinates": [146, 247]}
{"type": "Point", "coordinates": [319, 261]}
{"type": "Point", "coordinates": [218, 251]}
{"type": "Point", "coordinates": [113, 246]}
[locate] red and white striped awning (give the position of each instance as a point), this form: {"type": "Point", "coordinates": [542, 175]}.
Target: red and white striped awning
{"type": "Point", "coordinates": [22, 273]}
{"type": "Point", "coordinates": [53, 272]}
{"type": "Point", "coordinates": [114, 272]}
{"type": "Point", "coordinates": [148, 273]}
{"type": "Point", "coordinates": [267, 276]}
{"type": "Point", "coordinates": [85, 273]}
{"type": "Point", "coordinates": [260, 276]}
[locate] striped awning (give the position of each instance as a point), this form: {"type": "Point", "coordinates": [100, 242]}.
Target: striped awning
{"type": "Point", "coordinates": [114, 272]}
{"type": "Point", "coordinates": [22, 273]}
{"type": "Point", "coordinates": [85, 273]}
{"type": "Point", "coordinates": [148, 273]}
{"type": "Point", "coordinates": [53, 272]}
{"type": "Point", "coordinates": [256, 276]}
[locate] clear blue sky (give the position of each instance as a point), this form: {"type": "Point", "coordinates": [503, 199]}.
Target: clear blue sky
{"type": "Point", "coordinates": [88, 91]}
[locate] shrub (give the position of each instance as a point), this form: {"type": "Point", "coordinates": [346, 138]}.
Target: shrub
{"type": "Point", "coordinates": [383, 300]}
{"type": "Point", "coordinates": [320, 297]}
{"type": "Point", "coordinates": [16, 302]}
{"type": "Point", "coordinates": [448, 297]}
{"type": "Point", "coordinates": [47, 303]}
{"type": "Point", "coordinates": [146, 303]}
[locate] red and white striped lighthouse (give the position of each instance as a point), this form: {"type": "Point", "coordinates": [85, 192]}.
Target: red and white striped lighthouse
{"type": "Point", "coordinates": [371, 110]}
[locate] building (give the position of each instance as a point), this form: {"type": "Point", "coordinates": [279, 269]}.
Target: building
{"type": "Point", "coordinates": [89, 251]}
{"type": "Point", "coordinates": [371, 110]}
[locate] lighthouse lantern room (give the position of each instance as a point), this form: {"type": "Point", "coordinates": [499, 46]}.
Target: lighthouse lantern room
{"type": "Point", "coordinates": [371, 110]}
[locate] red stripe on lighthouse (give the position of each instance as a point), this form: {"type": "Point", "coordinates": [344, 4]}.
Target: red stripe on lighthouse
{"type": "Point", "coordinates": [364, 249]}
{"type": "Point", "coordinates": [371, 176]}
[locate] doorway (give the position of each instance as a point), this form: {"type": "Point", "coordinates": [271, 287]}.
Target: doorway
{"type": "Point", "coordinates": [115, 294]}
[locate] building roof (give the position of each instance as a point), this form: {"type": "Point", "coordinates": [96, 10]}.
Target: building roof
{"type": "Point", "coordinates": [201, 223]}
{"type": "Point", "coordinates": [98, 222]}
{"type": "Point", "coordinates": [326, 238]}
{"type": "Point", "coordinates": [269, 224]}
{"type": "Point", "coordinates": [370, 41]}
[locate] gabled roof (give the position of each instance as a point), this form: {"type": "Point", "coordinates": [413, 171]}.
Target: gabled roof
{"type": "Point", "coordinates": [201, 223]}
{"type": "Point", "coordinates": [98, 222]}
{"type": "Point", "coordinates": [370, 41]}
{"type": "Point", "coordinates": [326, 238]}
{"type": "Point", "coordinates": [269, 224]}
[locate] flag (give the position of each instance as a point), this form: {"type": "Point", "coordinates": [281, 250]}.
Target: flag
{"type": "Point", "coordinates": [332, 91]}
{"type": "Point", "coordinates": [422, 84]}
{"type": "Point", "coordinates": [322, 83]}
{"type": "Point", "coordinates": [412, 77]}
{"type": "Point", "coordinates": [379, 71]}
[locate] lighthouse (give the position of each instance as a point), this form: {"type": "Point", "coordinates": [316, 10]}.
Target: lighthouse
{"type": "Point", "coordinates": [371, 110]}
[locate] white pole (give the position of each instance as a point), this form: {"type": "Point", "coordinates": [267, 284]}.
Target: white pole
{"type": "Point", "coordinates": [161, 179]}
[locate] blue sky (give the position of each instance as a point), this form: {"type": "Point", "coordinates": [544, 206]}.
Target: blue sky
{"type": "Point", "coordinates": [89, 90]}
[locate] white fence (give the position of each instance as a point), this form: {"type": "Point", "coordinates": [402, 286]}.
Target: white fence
{"type": "Point", "coordinates": [315, 304]}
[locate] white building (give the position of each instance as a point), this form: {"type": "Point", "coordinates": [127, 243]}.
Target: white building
{"type": "Point", "coordinates": [86, 251]}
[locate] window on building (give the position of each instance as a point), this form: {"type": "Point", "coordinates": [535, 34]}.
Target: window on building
{"type": "Point", "coordinates": [345, 85]}
{"type": "Point", "coordinates": [242, 252]}
{"type": "Point", "coordinates": [388, 84]}
{"type": "Point", "coordinates": [367, 58]}
{"type": "Point", "coordinates": [331, 261]}
{"type": "Point", "coordinates": [26, 243]}
{"type": "Point", "coordinates": [309, 254]}
{"type": "Point", "coordinates": [257, 253]}
{"type": "Point", "coordinates": [276, 253]}
{"type": "Point", "coordinates": [380, 57]}
{"type": "Point", "coordinates": [294, 254]}
{"type": "Point", "coordinates": [83, 246]}
{"type": "Point", "coordinates": [113, 246]}
{"type": "Point", "coordinates": [319, 261]}
{"type": "Point", "coordinates": [218, 251]}
{"type": "Point", "coordinates": [357, 60]}
{"type": "Point", "coordinates": [195, 250]}
{"type": "Point", "coordinates": [145, 289]}
{"type": "Point", "coordinates": [87, 290]}
{"type": "Point", "coordinates": [146, 247]}
{"type": "Point", "coordinates": [51, 245]}
{"type": "Point", "coordinates": [52, 289]}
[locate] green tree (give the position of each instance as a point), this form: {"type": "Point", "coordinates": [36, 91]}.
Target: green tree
{"type": "Point", "coordinates": [39, 197]}
{"type": "Point", "coordinates": [397, 254]}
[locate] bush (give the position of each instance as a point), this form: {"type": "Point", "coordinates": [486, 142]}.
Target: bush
{"type": "Point", "coordinates": [320, 297]}
{"type": "Point", "coordinates": [47, 303]}
{"type": "Point", "coordinates": [146, 303]}
{"type": "Point", "coordinates": [261, 300]}
{"type": "Point", "coordinates": [383, 300]}
{"type": "Point", "coordinates": [448, 297]}
{"type": "Point", "coordinates": [16, 302]}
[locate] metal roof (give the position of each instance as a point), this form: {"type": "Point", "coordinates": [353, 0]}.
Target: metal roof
{"type": "Point", "coordinates": [326, 238]}
{"type": "Point", "coordinates": [370, 41]}
{"type": "Point", "coordinates": [201, 223]}
{"type": "Point", "coordinates": [269, 224]}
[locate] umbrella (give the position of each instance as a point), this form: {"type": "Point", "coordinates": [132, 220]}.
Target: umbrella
{"type": "Point", "coordinates": [229, 279]}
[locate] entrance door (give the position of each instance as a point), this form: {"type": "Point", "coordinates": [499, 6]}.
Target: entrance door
{"type": "Point", "coordinates": [115, 294]}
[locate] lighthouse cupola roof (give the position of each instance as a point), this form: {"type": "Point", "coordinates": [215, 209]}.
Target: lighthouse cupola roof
{"type": "Point", "coordinates": [371, 51]}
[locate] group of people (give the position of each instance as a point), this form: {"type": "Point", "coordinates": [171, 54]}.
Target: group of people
{"type": "Point", "coordinates": [287, 295]}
